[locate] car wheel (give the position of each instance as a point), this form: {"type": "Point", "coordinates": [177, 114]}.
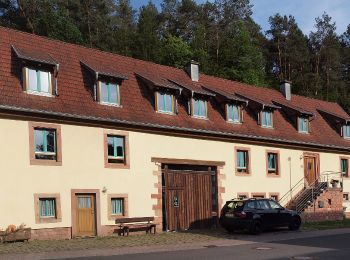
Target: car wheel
{"type": "Point", "coordinates": [295, 224]}
{"type": "Point", "coordinates": [256, 227]}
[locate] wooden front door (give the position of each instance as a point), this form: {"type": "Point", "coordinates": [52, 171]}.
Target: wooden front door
{"type": "Point", "coordinates": [310, 169]}
{"type": "Point", "coordinates": [188, 200]}
{"type": "Point", "coordinates": [86, 215]}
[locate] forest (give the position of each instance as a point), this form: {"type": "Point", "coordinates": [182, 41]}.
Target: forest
{"type": "Point", "coordinates": [221, 35]}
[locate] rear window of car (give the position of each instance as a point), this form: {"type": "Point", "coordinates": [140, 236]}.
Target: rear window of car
{"type": "Point", "coordinates": [235, 205]}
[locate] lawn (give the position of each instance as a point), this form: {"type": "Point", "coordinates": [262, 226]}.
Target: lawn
{"type": "Point", "coordinates": [326, 225]}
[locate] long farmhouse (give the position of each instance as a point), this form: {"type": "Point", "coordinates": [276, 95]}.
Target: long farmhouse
{"type": "Point", "coordinates": [88, 137]}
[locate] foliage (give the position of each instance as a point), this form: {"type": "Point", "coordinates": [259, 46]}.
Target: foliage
{"type": "Point", "coordinates": [220, 34]}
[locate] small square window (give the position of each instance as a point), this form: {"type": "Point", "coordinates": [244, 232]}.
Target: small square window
{"type": "Point", "coordinates": [242, 161]}
{"type": "Point", "coordinates": [45, 144]}
{"type": "Point", "coordinates": [117, 206]}
{"type": "Point", "coordinates": [266, 118]}
{"type": "Point", "coordinates": [199, 108]}
{"type": "Point", "coordinates": [38, 81]}
{"type": "Point", "coordinates": [165, 102]}
{"type": "Point", "coordinates": [109, 93]}
{"type": "Point", "coordinates": [116, 149]}
{"type": "Point", "coordinates": [272, 163]}
{"type": "Point", "coordinates": [303, 125]}
{"type": "Point", "coordinates": [47, 207]}
{"type": "Point", "coordinates": [233, 113]}
{"type": "Point", "coordinates": [346, 196]}
{"type": "Point", "coordinates": [344, 167]}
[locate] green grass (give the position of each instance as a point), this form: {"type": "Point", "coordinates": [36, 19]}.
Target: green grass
{"type": "Point", "coordinates": [326, 225]}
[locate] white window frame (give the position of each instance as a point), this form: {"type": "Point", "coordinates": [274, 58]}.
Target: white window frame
{"type": "Point", "coordinates": [305, 119]}
{"type": "Point", "coordinates": [35, 92]}
{"type": "Point", "coordinates": [193, 108]}
{"type": "Point", "coordinates": [262, 121]}
{"type": "Point", "coordinates": [239, 114]}
{"type": "Point", "coordinates": [157, 94]}
{"type": "Point", "coordinates": [343, 131]}
{"type": "Point", "coordinates": [100, 94]}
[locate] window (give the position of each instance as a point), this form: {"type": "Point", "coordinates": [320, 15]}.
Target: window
{"type": "Point", "coordinates": [242, 196]}
{"type": "Point", "coordinates": [345, 196]}
{"type": "Point", "coordinates": [346, 131]}
{"type": "Point", "coordinates": [117, 206]}
{"type": "Point", "coordinates": [266, 118]}
{"type": "Point", "coordinates": [234, 113]}
{"type": "Point", "coordinates": [45, 144]}
{"type": "Point", "coordinates": [199, 108]}
{"type": "Point", "coordinates": [263, 204]}
{"type": "Point", "coordinates": [109, 93]}
{"type": "Point", "coordinates": [274, 197]}
{"type": "Point", "coordinates": [274, 205]}
{"type": "Point", "coordinates": [116, 149]}
{"type": "Point", "coordinates": [165, 102]}
{"type": "Point", "coordinates": [344, 167]}
{"type": "Point", "coordinates": [303, 125]}
{"type": "Point", "coordinates": [242, 161]}
{"type": "Point", "coordinates": [272, 163]}
{"type": "Point", "coordinates": [37, 81]}
{"type": "Point", "coordinates": [258, 196]}
{"type": "Point", "coordinates": [47, 207]}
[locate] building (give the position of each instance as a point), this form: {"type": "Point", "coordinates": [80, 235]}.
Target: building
{"type": "Point", "coordinates": [89, 136]}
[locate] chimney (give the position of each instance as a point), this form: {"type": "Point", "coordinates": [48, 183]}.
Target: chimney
{"type": "Point", "coordinates": [285, 88]}
{"type": "Point", "coordinates": [192, 69]}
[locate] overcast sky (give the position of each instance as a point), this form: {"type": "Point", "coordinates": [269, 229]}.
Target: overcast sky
{"type": "Point", "coordinates": [305, 11]}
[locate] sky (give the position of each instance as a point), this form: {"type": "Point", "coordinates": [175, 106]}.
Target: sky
{"type": "Point", "coordinates": [304, 11]}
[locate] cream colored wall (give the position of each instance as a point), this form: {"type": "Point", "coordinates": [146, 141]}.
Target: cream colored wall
{"type": "Point", "coordinates": [83, 168]}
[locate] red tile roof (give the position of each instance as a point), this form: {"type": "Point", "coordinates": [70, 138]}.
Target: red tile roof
{"type": "Point", "coordinates": [76, 100]}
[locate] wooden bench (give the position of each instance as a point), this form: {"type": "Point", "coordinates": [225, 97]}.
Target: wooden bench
{"type": "Point", "coordinates": [127, 224]}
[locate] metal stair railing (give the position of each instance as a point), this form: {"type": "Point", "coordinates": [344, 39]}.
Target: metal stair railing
{"type": "Point", "coordinates": [308, 193]}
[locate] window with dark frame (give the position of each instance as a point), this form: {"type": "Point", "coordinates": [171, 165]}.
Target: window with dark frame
{"type": "Point", "coordinates": [47, 207]}
{"type": "Point", "coordinates": [116, 150]}
{"type": "Point", "coordinates": [272, 163]}
{"type": "Point", "coordinates": [242, 161]}
{"type": "Point", "coordinates": [45, 144]}
{"type": "Point", "coordinates": [346, 196]}
{"type": "Point", "coordinates": [274, 197]}
{"type": "Point", "coordinates": [118, 206]}
{"type": "Point", "coordinates": [344, 167]}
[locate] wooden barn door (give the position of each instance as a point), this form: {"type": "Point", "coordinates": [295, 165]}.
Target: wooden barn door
{"type": "Point", "coordinates": [188, 199]}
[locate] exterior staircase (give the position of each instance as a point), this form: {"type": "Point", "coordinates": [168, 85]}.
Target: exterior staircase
{"type": "Point", "coordinates": [301, 195]}
{"type": "Point", "coordinates": [306, 197]}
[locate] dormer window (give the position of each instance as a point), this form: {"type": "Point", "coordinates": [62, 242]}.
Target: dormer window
{"type": "Point", "coordinates": [165, 102]}
{"type": "Point", "coordinates": [109, 93]}
{"type": "Point", "coordinates": [346, 131]}
{"type": "Point", "coordinates": [199, 108]}
{"type": "Point", "coordinates": [303, 125]}
{"type": "Point", "coordinates": [233, 113]}
{"type": "Point", "coordinates": [37, 81]}
{"type": "Point", "coordinates": [267, 118]}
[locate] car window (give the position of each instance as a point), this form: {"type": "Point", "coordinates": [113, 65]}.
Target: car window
{"type": "Point", "coordinates": [263, 204]}
{"type": "Point", "coordinates": [250, 205]}
{"type": "Point", "coordinates": [274, 204]}
{"type": "Point", "coordinates": [235, 205]}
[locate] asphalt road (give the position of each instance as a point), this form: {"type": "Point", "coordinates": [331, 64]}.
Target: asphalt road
{"type": "Point", "coordinates": [322, 247]}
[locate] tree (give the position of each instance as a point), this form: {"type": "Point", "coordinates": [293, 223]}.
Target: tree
{"type": "Point", "coordinates": [325, 47]}
{"type": "Point", "coordinates": [176, 52]}
{"type": "Point", "coordinates": [148, 44]}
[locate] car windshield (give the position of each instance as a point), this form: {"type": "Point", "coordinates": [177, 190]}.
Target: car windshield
{"type": "Point", "coordinates": [235, 205]}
